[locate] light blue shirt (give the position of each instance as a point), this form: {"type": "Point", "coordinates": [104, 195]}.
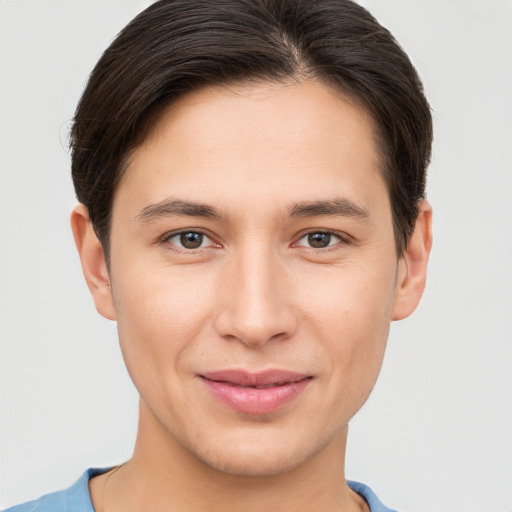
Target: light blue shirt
{"type": "Point", "coordinates": [77, 498]}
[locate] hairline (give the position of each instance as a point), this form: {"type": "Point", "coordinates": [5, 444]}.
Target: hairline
{"type": "Point", "coordinates": [154, 117]}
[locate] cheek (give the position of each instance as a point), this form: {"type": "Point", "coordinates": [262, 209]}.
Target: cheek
{"type": "Point", "coordinates": [159, 321]}
{"type": "Point", "coordinates": [351, 316]}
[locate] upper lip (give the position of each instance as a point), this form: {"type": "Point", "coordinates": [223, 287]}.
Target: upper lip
{"type": "Point", "coordinates": [263, 378]}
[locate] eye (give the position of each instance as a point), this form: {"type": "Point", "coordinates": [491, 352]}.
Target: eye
{"type": "Point", "coordinates": [319, 240]}
{"type": "Point", "coordinates": [189, 240]}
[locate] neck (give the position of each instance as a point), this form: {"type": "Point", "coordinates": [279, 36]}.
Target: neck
{"type": "Point", "coordinates": [163, 475]}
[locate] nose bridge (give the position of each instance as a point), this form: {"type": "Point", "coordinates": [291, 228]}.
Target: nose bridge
{"type": "Point", "coordinates": [256, 306]}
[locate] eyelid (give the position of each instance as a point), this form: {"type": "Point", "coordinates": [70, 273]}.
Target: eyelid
{"type": "Point", "coordinates": [165, 240]}
{"type": "Point", "coordinates": [343, 239]}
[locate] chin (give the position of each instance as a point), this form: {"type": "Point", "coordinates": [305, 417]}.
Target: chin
{"type": "Point", "coordinates": [259, 457]}
{"type": "Point", "coordinates": [253, 464]}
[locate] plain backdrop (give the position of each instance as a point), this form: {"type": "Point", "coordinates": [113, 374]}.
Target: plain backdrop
{"type": "Point", "coordinates": [436, 435]}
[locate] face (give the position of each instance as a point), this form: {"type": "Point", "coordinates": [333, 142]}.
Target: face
{"type": "Point", "coordinates": [254, 273]}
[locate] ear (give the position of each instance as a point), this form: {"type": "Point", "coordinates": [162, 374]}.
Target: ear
{"type": "Point", "coordinates": [412, 267]}
{"type": "Point", "coordinates": [93, 262]}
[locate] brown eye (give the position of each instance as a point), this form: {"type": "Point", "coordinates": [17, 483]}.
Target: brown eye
{"type": "Point", "coordinates": [319, 240]}
{"type": "Point", "coordinates": [191, 240]}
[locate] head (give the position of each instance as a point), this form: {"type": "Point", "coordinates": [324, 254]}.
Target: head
{"type": "Point", "coordinates": [253, 173]}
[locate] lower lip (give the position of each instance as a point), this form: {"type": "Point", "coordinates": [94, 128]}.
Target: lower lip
{"type": "Point", "coordinates": [256, 401]}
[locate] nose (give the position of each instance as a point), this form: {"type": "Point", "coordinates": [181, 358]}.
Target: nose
{"type": "Point", "coordinates": [255, 300]}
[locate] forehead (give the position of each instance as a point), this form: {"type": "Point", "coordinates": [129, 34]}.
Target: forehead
{"type": "Point", "coordinates": [282, 139]}
{"type": "Point", "coordinates": [263, 112]}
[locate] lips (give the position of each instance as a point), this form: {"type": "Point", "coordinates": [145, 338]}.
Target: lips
{"type": "Point", "coordinates": [255, 393]}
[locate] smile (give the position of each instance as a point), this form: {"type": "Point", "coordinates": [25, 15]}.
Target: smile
{"type": "Point", "coordinates": [255, 393]}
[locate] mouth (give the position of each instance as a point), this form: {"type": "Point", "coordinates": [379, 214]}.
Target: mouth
{"type": "Point", "coordinates": [255, 393]}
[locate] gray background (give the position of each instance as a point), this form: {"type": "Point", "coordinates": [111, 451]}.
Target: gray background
{"type": "Point", "coordinates": [437, 433]}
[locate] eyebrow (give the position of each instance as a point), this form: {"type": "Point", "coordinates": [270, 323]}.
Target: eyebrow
{"type": "Point", "coordinates": [338, 207]}
{"type": "Point", "coordinates": [177, 207]}
{"type": "Point", "coordinates": [170, 207]}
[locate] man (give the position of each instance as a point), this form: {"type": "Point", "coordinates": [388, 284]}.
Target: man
{"type": "Point", "coordinates": [251, 181]}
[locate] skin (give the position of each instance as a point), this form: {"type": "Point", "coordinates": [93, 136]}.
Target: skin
{"type": "Point", "coordinates": [256, 295]}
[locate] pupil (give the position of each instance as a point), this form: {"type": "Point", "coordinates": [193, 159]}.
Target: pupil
{"type": "Point", "coordinates": [191, 240]}
{"type": "Point", "coordinates": [319, 240]}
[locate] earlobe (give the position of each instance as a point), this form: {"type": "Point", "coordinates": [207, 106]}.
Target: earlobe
{"type": "Point", "coordinates": [93, 262]}
{"type": "Point", "coordinates": [412, 271]}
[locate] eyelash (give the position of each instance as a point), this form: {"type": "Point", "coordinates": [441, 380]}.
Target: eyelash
{"type": "Point", "coordinates": [342, 239]}
{"type": "Point", "coordinates": [165, 241]}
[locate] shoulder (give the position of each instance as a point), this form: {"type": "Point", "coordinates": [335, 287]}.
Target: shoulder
{"type": "Point", "coordinates": [73, 499]}
{"type": "Point", "coordinates": [371, 498]}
